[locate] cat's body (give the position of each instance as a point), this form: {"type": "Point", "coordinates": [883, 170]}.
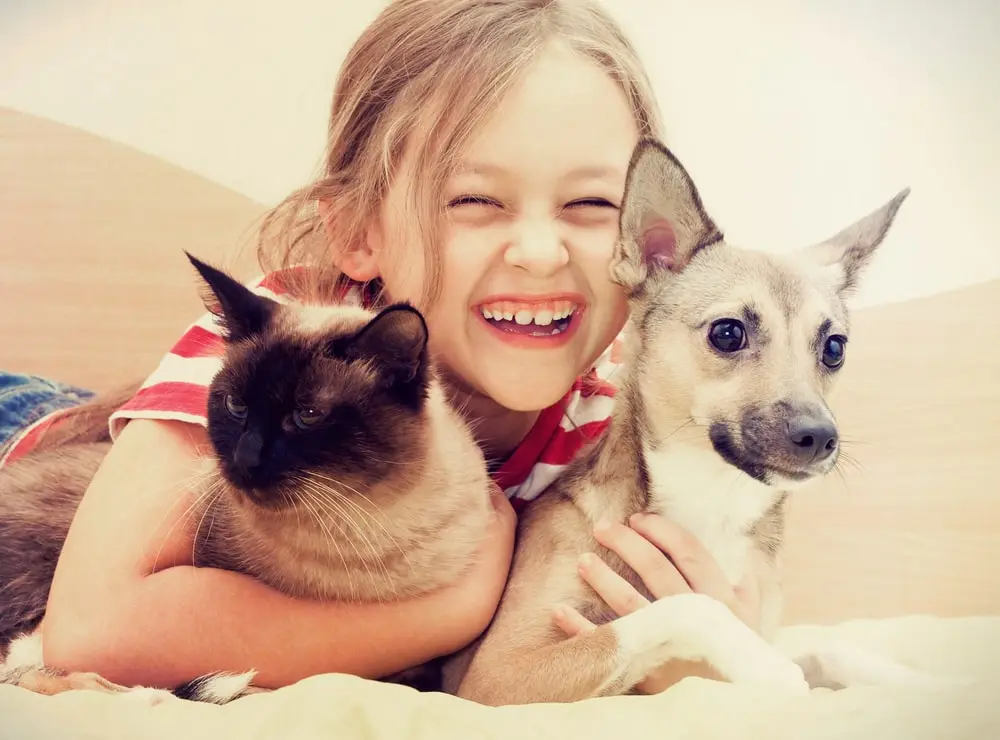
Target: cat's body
{"type": "Point", "coordinates": [38, 497]}
{"type": "Point", "coordinates": [385, 541]}
{"type": "Point", "coordinates": [337, 462]}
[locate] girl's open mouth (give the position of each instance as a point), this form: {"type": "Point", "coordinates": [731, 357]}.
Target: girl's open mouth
{"type": "Point", "coordinates": [546, 320]}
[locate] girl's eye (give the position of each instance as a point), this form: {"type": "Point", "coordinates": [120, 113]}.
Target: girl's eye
{"type": "Point", "coordinates": [305, 418]}
{"type": "Point", "coordinates": [591, 203]}
{"type": "Point", "coordinates": [473, 200]}
{"type": "Point", "coordinates": [236, 408]}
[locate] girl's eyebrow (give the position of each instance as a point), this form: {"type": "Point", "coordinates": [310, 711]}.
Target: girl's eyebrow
{"type": "Point", "coordinates": [585, 172]}
{"type": "Point", "coordinates": [595, 172]}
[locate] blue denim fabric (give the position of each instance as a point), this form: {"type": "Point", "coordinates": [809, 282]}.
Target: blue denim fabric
{"type": "Point", "coordinates": [24, 399]}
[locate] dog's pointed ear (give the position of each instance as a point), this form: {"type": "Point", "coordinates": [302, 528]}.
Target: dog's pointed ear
{"type": "Point", "coordinates": [662, 223]}
{"type": "Point", "coordinates": [849, 251]}
{"type": "Point", "coordinates": [240, 312]}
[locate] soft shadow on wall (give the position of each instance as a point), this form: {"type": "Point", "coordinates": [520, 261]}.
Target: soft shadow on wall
{"type": "Point", "coordinates": [795, 116]}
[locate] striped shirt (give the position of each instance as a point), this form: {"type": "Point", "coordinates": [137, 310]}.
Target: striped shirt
{"type": "Point", "coordinates": [178, 390]}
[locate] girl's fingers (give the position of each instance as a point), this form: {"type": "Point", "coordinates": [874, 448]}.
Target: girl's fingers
{"type": "Point", "coordinates": [648, 562]}
{"type": "Point", "coordinates": [696, 565]}
{"type": "Point", "coordinates": [570, 621]}
{"type": "Point", "coordinates": [616, 592]}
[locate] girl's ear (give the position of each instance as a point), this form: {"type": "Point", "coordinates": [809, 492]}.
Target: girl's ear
{"type": "Point", "coordinates": [358, 261]}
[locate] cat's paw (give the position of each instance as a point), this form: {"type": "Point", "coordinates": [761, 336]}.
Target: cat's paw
{"type": "Point", "coordinates": [147, 696]}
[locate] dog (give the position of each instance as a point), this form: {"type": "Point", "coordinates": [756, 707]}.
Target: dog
{"type": "Point", "coordinates": [722, 411]}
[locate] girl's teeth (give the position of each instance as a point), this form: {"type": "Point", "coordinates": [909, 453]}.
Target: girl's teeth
{"type": "Point", "coordinates": [523, 317]}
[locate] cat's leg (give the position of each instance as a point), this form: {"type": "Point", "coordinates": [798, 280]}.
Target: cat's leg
{"type": "Point", "coordinates": [23, 667]}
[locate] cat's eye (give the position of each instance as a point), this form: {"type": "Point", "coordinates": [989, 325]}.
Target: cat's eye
{"type": "Point", "coordinates": [834, 351]}
{"type": "Point", "coordinates": [728, 335]}
{"type": "Point", "coordinates": [305, 418]}
{"type": "Point", "coordinates": [236, 408]}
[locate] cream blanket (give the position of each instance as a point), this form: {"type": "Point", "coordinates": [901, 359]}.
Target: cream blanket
{"type": "Point", "coordinates": [344, 707]}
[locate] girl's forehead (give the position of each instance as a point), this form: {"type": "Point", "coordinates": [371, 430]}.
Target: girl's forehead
{"type": "Point", "coordinates": [565, 119]}
{"type": "Point", "coordinates": [564, 115]}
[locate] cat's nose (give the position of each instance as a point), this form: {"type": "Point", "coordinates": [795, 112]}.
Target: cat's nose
{"type": "Point", "coordinates": [248, 450]}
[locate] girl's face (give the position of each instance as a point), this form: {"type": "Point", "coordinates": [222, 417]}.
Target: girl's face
{"type": "Point", "coordinates": [526, 303]}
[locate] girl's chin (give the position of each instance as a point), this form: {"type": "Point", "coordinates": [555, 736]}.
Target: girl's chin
{"type": "Point", "coordinates": [525, 393]}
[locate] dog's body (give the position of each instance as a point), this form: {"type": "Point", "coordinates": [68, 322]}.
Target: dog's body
{"type": "Point", "coordinates": [721, 412]}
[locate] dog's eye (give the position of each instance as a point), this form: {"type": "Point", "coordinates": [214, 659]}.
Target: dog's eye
{"type": "Point", "coordinates": [236, 408]}
{"type": "Point", "coordinates": [833, 351]}
{"type": "Point", "coordinates": [306, 417]}
{"type": "Point", "coordinates": [728, 335]}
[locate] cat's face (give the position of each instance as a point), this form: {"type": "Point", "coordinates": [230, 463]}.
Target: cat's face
{"type": "Point", "coordinates": [311, 398]}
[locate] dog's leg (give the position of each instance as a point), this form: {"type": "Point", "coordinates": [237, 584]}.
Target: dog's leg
{"type": "Point", "coordinates": [697, 628]}
{"type": "Point", "coordinates": [616, 656]}
{"type": "Point", "coordinates": [840, 665]}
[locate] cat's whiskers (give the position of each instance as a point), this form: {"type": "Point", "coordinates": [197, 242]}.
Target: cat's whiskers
{"type": "Point", "coordinates": [330, 497]}
{"type": "Point", "coordinates": [356, 492]}
{"type": "Point", "coordinates": [371, 517]}
{"type": "Point", "coordinates": [210, 483]}
{"type": "Point", "coordinates": [209, 507]}
{"type": "Point", "coordinates": [308, 503]}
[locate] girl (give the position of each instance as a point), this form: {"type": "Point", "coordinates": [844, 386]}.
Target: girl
{"type": "Point", "coordinates": [477, 154]}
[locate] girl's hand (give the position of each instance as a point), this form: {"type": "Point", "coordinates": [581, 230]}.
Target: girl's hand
{"type": "Point", "coordinates": [670, 561]}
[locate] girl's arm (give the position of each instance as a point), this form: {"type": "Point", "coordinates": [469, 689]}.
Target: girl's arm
{"type": "Point", "coordinates": [126, 603]}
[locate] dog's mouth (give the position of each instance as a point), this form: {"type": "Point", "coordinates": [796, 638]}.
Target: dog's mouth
{"type": "Point", "coordinates": [769, 470]}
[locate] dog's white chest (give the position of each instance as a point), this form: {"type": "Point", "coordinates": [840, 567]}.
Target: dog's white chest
{"type": "Point", "coordinates": [712, 500]}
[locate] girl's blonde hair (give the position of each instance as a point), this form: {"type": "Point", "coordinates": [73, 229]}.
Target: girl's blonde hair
{"type": "Point", "coordinates": [424, 75]}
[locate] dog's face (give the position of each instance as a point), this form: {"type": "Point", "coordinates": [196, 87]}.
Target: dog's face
{"type": "Point", "coordinates": [738, 350]}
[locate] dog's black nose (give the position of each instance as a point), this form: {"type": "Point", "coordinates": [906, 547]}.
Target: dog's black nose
{"type": "Point", "coordinates": [813, 439]}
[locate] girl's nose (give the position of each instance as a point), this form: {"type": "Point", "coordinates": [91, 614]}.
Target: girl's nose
{"type": "Point", "coordinates": [538, 250]}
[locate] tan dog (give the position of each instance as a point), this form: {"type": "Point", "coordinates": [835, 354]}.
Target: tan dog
{"type": "Point", "coordinates": [722, 410]}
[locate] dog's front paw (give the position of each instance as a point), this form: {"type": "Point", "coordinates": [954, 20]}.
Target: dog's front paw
{"type": "Point", "coordinates": [739, 653]}
{"type": "Point", "coordinates": [698, 628]}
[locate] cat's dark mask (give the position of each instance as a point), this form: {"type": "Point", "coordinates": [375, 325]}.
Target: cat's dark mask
{"type": "Point", "coordinates": [294, 407]}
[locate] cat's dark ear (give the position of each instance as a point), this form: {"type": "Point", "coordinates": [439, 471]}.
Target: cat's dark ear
{"type": "Point", "coordinates": [396, 339]}
{"type": "Point", "coordinates": [241, 312]}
